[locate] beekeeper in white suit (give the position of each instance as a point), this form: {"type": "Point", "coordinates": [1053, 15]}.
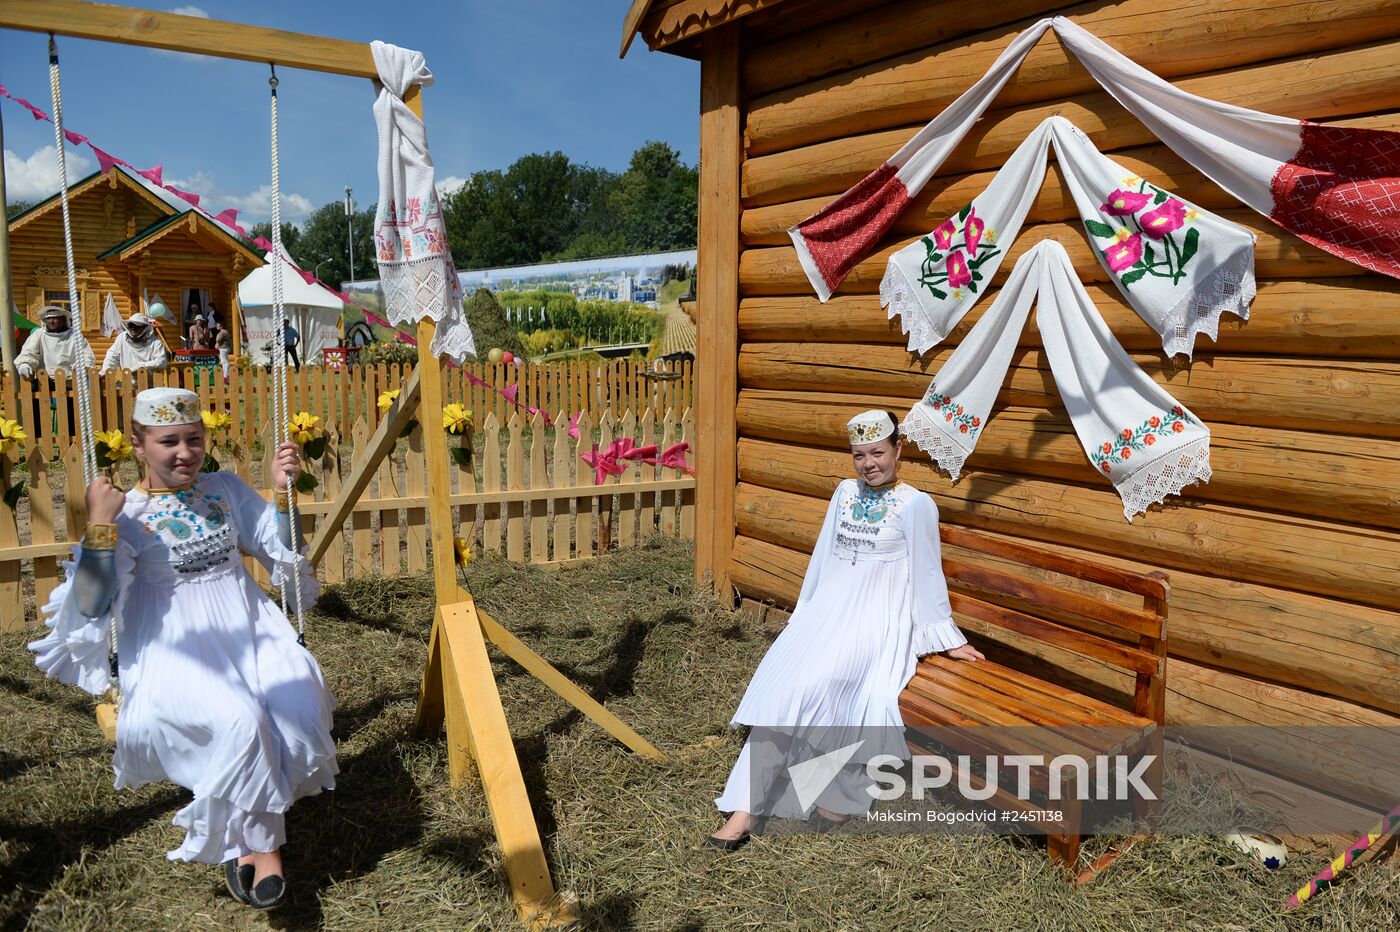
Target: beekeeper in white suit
{"type": "Point", "coordinates": [138, 346]}
{"type": "Point", "coordinates": [53, 348]}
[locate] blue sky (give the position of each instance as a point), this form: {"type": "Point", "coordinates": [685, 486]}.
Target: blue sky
{"type": "Point", "coordinates": [512, 77]}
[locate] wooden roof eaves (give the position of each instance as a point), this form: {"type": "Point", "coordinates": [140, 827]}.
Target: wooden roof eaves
{"type": "Point", "coordinates": [674, 27]}
{"type": "Point", "coordinates": [199, 227]}
{"type": "Point", "coordinates": [82, 186]}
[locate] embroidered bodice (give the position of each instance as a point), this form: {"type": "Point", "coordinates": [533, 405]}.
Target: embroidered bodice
{"type": "Point", "coordinates": [868, 521]}
{"type": "Point", "coordinates": [194, 527]}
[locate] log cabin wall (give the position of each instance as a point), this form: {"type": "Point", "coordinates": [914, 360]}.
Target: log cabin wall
{"type": "Point", "coordinates": [1285, 606]}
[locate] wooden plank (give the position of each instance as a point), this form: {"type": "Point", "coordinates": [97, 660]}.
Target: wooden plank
{"type": "Point", "coordinates": [1167, 37]}
{"type": "Point", "coordinates": [627, 504]}
{"type": "Point", "coordinates": [416, 483]}
{"type": "Point", "coordinates": [1312, 556]}
{"type": "Point", "coordinates": [367, 460]}
{"type": "Point", "coordinates": [41, 526]}
{"type": "Point", "coordinates": [441, 527]}
{"type": "Point", "coordinates": [333, 563]}
{"type": "Point", "coordinates": [1355, 397]}
{"type": "Point", "coordinates": [11, 597]}
{"type": "Point", "coordinates": [515, 481]}
{"type": "Point", "coordinates": [467, 674]}
{"type": "Point", "coordinates": [539, 479]}
{"type": "Point", "coordinates": [361, 542]}
{"type": "Point", "coordinates": [722, 150]}
{"type": "Point", "coordinates": [687, 497]}
{"type": "Point", "coordinates": [491, 482]}
{"type": "Point", "coordinates": [1349, 479]}
{"type": "Point", "coordinates": [605, 483]}
{"type": "Point", "coordinates": [180, 33]}
{"type": "Point", "coordinates": [563, 475]}
{"type": "Point", "coordinates": [670, 503]}
{"type": "Point", "coordinates": [583, 504]}
{"type": "Point", "coordinates": [1332, 317]}
{"type": "Point", "coordinates": [649, 471]}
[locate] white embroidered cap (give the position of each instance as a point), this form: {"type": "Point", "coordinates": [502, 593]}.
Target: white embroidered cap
{"type": "Point", "coordinates": [166, 407]}
{"type": "Point", "coordinates": [869, 427]}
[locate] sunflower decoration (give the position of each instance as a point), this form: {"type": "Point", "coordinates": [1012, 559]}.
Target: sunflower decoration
{"type": "Point", "coordinates": [11, 435]}
{"type": "Point", "coordinates": [306, 431]}
{"type": "Point", "coordinates": [461, 555]}
{"type": "Point", "coordinates": [386, 400]}
{"type": "Point", "coordinates": [216, 425]}
{"type": "Point", "coordinates": [457, 421]}
{"type": "Point", "coordinates": [112, 448]}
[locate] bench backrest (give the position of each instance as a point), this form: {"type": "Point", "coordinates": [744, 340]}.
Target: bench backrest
{"type": "Point", "coordinates": [1100, 612]}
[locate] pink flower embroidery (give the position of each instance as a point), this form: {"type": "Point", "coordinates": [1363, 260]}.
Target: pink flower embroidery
{"type": "Point", "coordinates": [962, 427]}
{"type": "Point", "coordinates": [1108, 448]}
{"type": "Point", "coordinates": [1127, 434]}
{"type": "Point", "coordinates": [1161, 221]}
{"type": "Point", "coordinates": [1178, 427]}
{"type": "Point", "coordinates": [977, 422]}
{"type": "Point", "coordinates": [1154, 421]}
{"type": "Point", "coordinates": [943, 236]}
{"type": "Point", "coordinates": [1124, 254]}
{"type": "Point", "coordinates": [1150, 439]}
{"type": "Point", "coordinates": [1122, 203]}
{"type": "Point", "coordinates": [1125, 453]}
{"type": "Point", "coordinates": [958, 275]}
{"type": "Point", "coordinates": [973, 231]}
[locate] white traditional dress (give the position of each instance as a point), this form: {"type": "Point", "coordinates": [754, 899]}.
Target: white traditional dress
{"type": "Point", "coordinates": [217, 695]}
{"type": "Point", "coordinates": [873, 601]}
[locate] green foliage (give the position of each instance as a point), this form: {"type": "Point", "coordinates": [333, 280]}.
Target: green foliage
{"type": "Point", "coordinates": [320, 245]}
{"type": "Point", "coordinates": [489, 326]}
{"type": "Point", "coordinates": [393, 353]}
{"type": "Point", "coordinates": [580, 323]}
{"type": "Point", "coordinates": [15, 208]}
{"type": "Point", "coordinates": [543, 207]}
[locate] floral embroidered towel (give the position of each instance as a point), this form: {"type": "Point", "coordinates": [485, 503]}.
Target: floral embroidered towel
{"type": "Point", "coordinates": [1336, 187]}
{"type": "Point", "coordinates": [1179, 266]}
{"type": "Point", "coordinates": [415, 265]}
{"type": "Point", "coordinates": [1134, 432]}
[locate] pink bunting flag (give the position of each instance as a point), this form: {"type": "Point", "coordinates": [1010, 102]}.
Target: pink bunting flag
{"type": "Point", "coordinates": [229, 218]}
{"type": "Point", "coordinates": [674, 458]}
{"type": "Point", "coordinates": [153, 176]}
{"type": "Point", "coordinates": [76, 139]}
{"type": "Point", "coordinates": [184, 195]}
{"type": "Point", "coordinates": [604, 463]}
{"type": "Point", "coordinates": [104, 161]}
{"type": "Point", "coordinates": [573, 424]}
{"type": "Point", "coordinates": [37, 113]}
{"type": "Point", "coordinates": [263, 243]}
{"type": "Point", "coordinates": [510, 394]}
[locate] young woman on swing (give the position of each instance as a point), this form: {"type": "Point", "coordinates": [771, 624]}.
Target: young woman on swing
{"type": "Point", "coordinates": [873, 601]}
{"type": "Point", "coordinates": [218, 694]}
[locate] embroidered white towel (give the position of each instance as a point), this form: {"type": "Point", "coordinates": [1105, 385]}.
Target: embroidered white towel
{"type": "Point", "coordinates": [1134, 432]}
{"type": "Point", "coordinates": [1179, 266]}
{"type": "Point", "coordinates": [415, 265]}
{"type": "Point", "coordinates": [1336, 187]}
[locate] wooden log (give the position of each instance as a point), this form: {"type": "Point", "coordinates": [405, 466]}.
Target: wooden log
{"type": "Point", "coordinates": [1355, 397]}
{"type": "Point", "coordinates": [1277, 254]}
{"type": "Point", "coordinates": [1343, 479]}
{"type": "Point", "coordinates": [1168, 37]}
{"type": "Point", "coordinates": [1337, 648]}
{"type": "Point", "coordinates": [1303, 554]}
{"type": "Point", "coordinates": [1331, 317]}
{"type": "Point", "coordinates": [945, 194]}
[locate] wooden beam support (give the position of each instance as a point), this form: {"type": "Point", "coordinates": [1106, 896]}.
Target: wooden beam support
{"type": "Point", "coordinates": [178, 33]}
{"type": "Point", "coordinates": [721, 156]}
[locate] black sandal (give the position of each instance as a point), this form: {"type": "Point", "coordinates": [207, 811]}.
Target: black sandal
{"type": "Point", "coordinates": [728, 844]}
{"type": "Point", "coordinates": [268, 892]}
{"type": "Point", "coordinates": [238, 878]}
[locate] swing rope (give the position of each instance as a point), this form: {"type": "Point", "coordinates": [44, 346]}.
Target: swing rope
{"type": "Point", "coordinates": [82, 388]}
{"type": "Point", "coordinates": [281, 410]}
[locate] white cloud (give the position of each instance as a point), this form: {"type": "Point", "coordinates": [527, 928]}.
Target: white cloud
{"type": "Point", "coordinates": [252, 208]}
{"type": "Point", "coordinates": [186, 56]}
{"type": "Point", "coordinates": [36, 177]}
{"type": "Point", "coordinates": [445, 186]}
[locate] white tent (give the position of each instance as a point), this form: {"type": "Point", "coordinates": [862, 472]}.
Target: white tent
{"type": "Point", "coordinates": [313, 311]}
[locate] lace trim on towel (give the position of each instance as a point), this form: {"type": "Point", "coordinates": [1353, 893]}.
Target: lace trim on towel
{"type": "Point", "coordinates": [901, 297]}
{"type": "Point", "coordinates": [453, 338]}
{"type": "Point", "coordinates": [935, 442]}
{"type": "Point", "coordinates": [1184, 466]}
{"type": "Point", "coordinates": [416, 289]}
{"type": "Point", "coordinates": [1229, 288]}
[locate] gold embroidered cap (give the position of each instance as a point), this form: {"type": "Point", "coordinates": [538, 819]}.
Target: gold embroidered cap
{"type": "Point", "coordinates": [869, 427]}
{"type": "Point", "coordinates": [166, 407]}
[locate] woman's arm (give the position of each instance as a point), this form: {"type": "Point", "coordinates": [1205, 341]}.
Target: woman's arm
{"type": "Point", "coordinates": [934, 627]}
{"type": "Point", "coordinates": [822, 550]}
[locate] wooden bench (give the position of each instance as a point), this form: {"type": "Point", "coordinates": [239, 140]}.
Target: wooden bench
{"type": "Point", "coordinates": [1055, 629]}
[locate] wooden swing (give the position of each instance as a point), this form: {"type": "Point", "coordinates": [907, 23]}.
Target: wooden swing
{"type": "Point", "coordinates": [458, 687]}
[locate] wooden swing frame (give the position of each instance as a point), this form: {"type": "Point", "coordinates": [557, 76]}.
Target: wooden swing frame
{"type": "Point", "coordinates": [458, 687]}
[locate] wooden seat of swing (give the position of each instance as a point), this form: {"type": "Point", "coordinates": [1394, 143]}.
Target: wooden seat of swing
{"type": "Point", "coordinates": [1052, 626]}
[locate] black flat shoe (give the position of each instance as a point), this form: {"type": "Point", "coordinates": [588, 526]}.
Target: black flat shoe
{"type": "Point", "coordinates": [268, 892]}
{"type": "Point", "coordinates": [238, 878]}
{"type": "Point", "coordinates": [728, 844]}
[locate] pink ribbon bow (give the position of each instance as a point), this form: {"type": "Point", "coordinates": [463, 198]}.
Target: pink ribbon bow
{"type": "Point", "coordinates": [674, 458]}
{"type": "Point", "coordinates": [573, 424]}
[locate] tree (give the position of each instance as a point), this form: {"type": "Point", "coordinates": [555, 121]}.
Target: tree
{"type": "Point", "coordinates": [15, 208]}
{"type": "Point", "coordinates": [489, 327]}
{"type": "Point", "coordinates": [290, 236]}
{"type": "Point", "coordinates": [320, 243]}
{"type": "Point", "coordinates": [656, 201]}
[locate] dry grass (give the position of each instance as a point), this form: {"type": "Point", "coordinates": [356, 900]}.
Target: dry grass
{"type": "Point", "coordinates": [396, 847]}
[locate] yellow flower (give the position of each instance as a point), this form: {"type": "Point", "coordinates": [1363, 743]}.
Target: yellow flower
{"type": "Point", "coordinates": [461, 552]}
{"type": "Point", "coordinates": [1192, 214]}
{"type": "Point", "coordinates": [386, 400]}
{"type": "Point", "coordinates": [1122, 234]}
{"type": "Point", "coordinates": [11, 433]}
{"type": "Point", "coordinates": [456, 419]}
{"type": "Point", "coordinates": [1132, 181]}
{"type": "Point", "coordinates": [118, 449]}
{"type": "Point", "coordinates": [215, 420]}
{"type": "Point", "coordinates": [305, 427]}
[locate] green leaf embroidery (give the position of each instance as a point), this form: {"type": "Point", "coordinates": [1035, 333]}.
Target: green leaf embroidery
{"type": "Point", "coordinates": [1161, 196]}
{"type": "Point", "coordinates": [1133, 276]}
{"type": "Point", "coordinates": [937, 293]}
{"type": "Point", "coordinates": [1149, 255]}
{"type": "Point", "coordinates": [962, 214]}
{"type": "Point", "coordinates": [1099, 229]}
{"type": "Point", "coordinates": [1188, 249]}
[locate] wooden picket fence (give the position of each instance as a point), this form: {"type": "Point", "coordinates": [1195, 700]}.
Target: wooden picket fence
{"type": "Point", "coordinates": [525, 493]}
{"type": "Point", "coordinates": [47, 411]}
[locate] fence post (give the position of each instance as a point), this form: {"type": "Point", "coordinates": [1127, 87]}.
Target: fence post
{"type": "Point", "coordinates": [515, 481]}
{"type": "Point", "coordinates": [539, 479]}
{"type": "Point", "coordinates": [11, 600]}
